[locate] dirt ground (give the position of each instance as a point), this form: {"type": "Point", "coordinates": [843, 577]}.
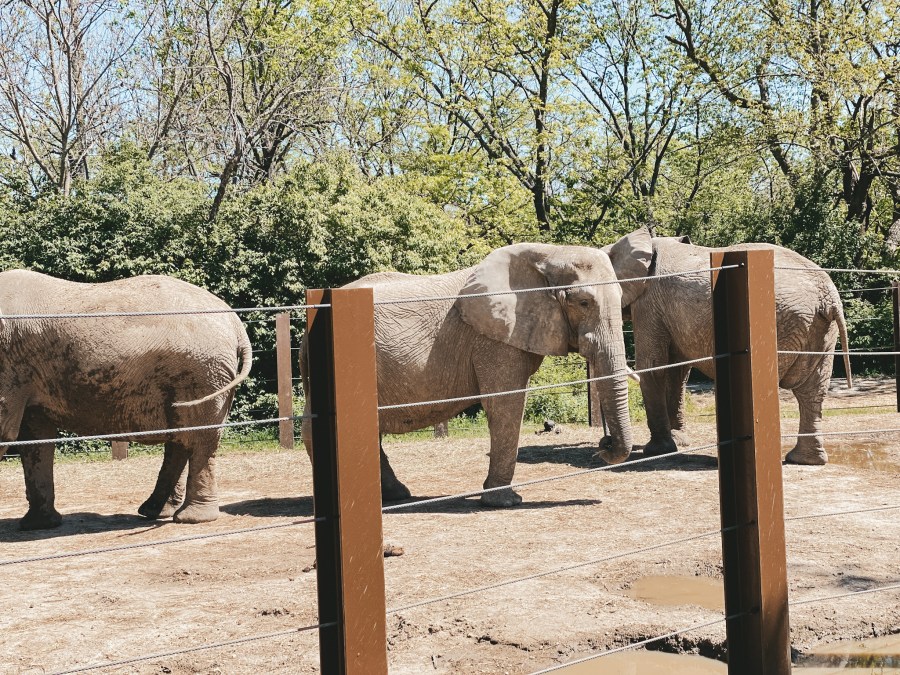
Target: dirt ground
{"type": "Point", "coordinates": [67, 613]}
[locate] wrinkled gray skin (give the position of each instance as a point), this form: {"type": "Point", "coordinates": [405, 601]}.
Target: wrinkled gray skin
{"type": "Point", "coordinates": [118, 375]}
{"type": "Point", "coordinates": [672, 320]}
{"type": "Point", "coordinates": [451, 348]}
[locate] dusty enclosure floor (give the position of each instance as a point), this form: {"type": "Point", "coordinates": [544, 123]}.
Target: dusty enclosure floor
{"type": "Point", "coordinates": [65, 613]}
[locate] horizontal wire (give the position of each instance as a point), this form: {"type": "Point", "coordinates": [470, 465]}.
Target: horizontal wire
{"type": "Point", "coordinates": [542, 387]}
{"type": "Point", "coordinates": [538, 481]}
{"type": "Point", "coordinates": [567, 568]}
{"type": "Point", "coordinates": [861, 432]}
{"type": "Point", "coordinates": [154, 432]}
{"type": "Point", "coordinates": [825, 598]}
{"type": "Point", "coordinates": [633, 645]}
{"type": "Point", "coordinates": [435, 298]}
{"type": "Point", "coordinates": [851, 353]}
{"type": "Point", "coordinates": [835, 269]}
{"type": "Point", "coordinates": [173, 312]}
{"type": "Point", "coordinates": [863, 290]}
{"type": "Point", "coordinates": [162, 542]}
{"type": "Point", "coordinates": [188, 650]}
{"type": "Point", "coordinates": [842, 513]}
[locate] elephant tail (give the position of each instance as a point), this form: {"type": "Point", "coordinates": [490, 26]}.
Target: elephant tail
{"type": "Point", "coordinates": [845, 344]}
{"type": "Point", "coordinates": [246, 356]}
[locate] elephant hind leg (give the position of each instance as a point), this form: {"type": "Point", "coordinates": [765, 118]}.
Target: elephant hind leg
{"type": "Point", "coordinates": [675, 401]}
{"type": "Point", "coordinates": [37, 465]}
{"type": "Point", "coordinates": [810, 395]}
{"type": "Point", "coordinates": [169, 492]}
{"type": "Point", "coordinates": [392, 490]}
{"type": "Point", "coordinates": [201, 504]}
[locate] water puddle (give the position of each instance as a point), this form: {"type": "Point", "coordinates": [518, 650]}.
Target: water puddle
{"type": "Point", "coordinates": [647, 663]}
{"type": "Point", "coordinates": [866, 455]}
{"type": "Point", "coordinates": [878, 653]}
{"type": "Point", "coordinates": [678, 590]}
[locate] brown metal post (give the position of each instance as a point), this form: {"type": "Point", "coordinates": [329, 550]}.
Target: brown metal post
{"type": "Point", "coordinates": [285, 379]}
{"type": "Point", "coordinates": [750, 484]}
{"type": "Point", "coordinates": [346, 482]}
{"type": "Point", "coordinates": [119, 449]}
{"type": "Point", "coordinates": [895, 296]}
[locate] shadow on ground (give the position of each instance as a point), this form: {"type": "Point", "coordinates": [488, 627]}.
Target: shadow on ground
{"type": "Point", "coordinates": [581, 456]}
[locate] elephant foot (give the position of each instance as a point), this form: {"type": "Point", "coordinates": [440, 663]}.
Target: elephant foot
{"type": "Point", "coordinates": [394, 491]}
{"type": "Point", "coordinates": [169, 509]}
{"type": "Point", "coordinates": [197, 513]}
{"type": "Point", "coordinates": [40, 520]}
{"type": "Point", "coordinates": [154, 511]}
{"type": "Point", "coordinates": [501, 499]}
{"type": "Point", "coordinates": [682, 438]}
{"type": "Point", "coordinates": [807, 456]}
{"type": "Point", "coordinates": [664, 447]}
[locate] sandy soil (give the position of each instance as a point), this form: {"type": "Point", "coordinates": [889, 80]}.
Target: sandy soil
{"type": "Point", "coordinates": [65, 613]}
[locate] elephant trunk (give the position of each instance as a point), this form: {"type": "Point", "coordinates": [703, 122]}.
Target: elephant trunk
{"type": "Point", "coordinates": [614, 399]}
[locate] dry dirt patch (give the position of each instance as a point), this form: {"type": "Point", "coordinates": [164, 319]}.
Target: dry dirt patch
{"type": "Point", "coordinates": [60, 614]}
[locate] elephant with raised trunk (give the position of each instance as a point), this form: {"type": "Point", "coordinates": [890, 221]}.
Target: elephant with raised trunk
{"type": "Point", "coordinates": [118, 374]}
{"type": "Point", "coordinates": [469, 346]}
{"type": "Point", "coordinates": [672, 320]}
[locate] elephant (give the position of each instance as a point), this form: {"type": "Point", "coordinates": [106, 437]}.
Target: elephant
{"type": "Point", "coordinates": [672, 321]}
{"type": "Point", "coordinates": [118, 374]}
{"type": "Point", "coordinates": [466, 345]}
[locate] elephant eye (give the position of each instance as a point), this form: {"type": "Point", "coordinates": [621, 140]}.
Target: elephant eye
{"type": "Point", "coordinates": [583, 303]}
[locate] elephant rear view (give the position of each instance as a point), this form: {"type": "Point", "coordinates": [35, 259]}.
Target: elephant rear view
{"type": "Point", "coordinates": [480, 331]}
{"type": "Point", "coordinates": [118, 374]}
{"type": "Point", "coordinates": [672, 319]}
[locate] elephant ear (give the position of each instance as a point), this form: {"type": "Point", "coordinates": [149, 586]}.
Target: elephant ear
{"type": "Point", "coordinates": [534, 322]}
{"type": "Point", "coordinates": [631, 257]}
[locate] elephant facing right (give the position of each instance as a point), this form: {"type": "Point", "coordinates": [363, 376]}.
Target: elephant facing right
{"type": "Point", "coordinates": [672, 319]}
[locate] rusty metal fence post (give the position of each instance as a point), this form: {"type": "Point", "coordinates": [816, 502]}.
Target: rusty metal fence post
{"type": "Point", "coordinates": [895, 296]}
{"type": "Point", "coordinates": [285, 379]}
{"type": "Point", "coordinates": [750, 483]}
{"type": "Point", "coordinates": [346, 482]}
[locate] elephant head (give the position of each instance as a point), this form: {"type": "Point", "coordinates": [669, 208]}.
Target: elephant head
{"type": "Point", "coordinates": [583, 319]}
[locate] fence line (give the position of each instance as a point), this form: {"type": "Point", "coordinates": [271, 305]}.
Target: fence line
{"type": "Point", "coordinates": [526, 390]}
{"type": "Point", "coordinates": [633, 645]}
{"type": "Point", "coordinates": [154, 432]}
{"type": "Point", "coordinates": [151, 544]}
{"type": "Point", "coordinates": [860, 432]}
{"type": "Point", "coordinates": [198, 648]}
{"type": "Point", "coordinates": [836, 269]}
{"type": "Point", "coordinates": [537, 481]}
{"type": "Point", "coordinates": [839, 596]}
{"type": "Point", "coordinates": [558, 570]}
{"type": "Point", "coordinates": [436, 298]}
{"type": "Point", "coordinates": [843, 513]}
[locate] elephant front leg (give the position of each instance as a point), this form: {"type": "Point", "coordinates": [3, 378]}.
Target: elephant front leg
{"type": "Point", "coordinates": [654, 387]}
{"type": "Point", "coordinates": [201, 503]}
{"type": "Point", "coordinates": [504, 418]}
{"type": "Point", "coordinates": [810, 395]}
{"type": "Point", "coordinates": [169, 492]}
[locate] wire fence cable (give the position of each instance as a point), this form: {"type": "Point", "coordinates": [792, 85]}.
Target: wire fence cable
{"type": "Point", "coordinates": [189, 650]}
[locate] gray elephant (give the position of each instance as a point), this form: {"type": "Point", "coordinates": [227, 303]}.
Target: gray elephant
{"type": "Point", "coordinates": [672, 320]}
{"type": "Point", "coordinates": [444, 349]}
{"type": "Point", "coordinates": [118, 375]}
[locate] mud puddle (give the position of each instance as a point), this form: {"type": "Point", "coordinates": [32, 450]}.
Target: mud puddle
{"type": "Point", "coordinates": [875, 653]}
{"type": "Point", "coordinates": [866, 455]}
{"type": "Point", "coordinates": [647, 663]}
{"type": "Point", "coordinates": [679, 590]}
